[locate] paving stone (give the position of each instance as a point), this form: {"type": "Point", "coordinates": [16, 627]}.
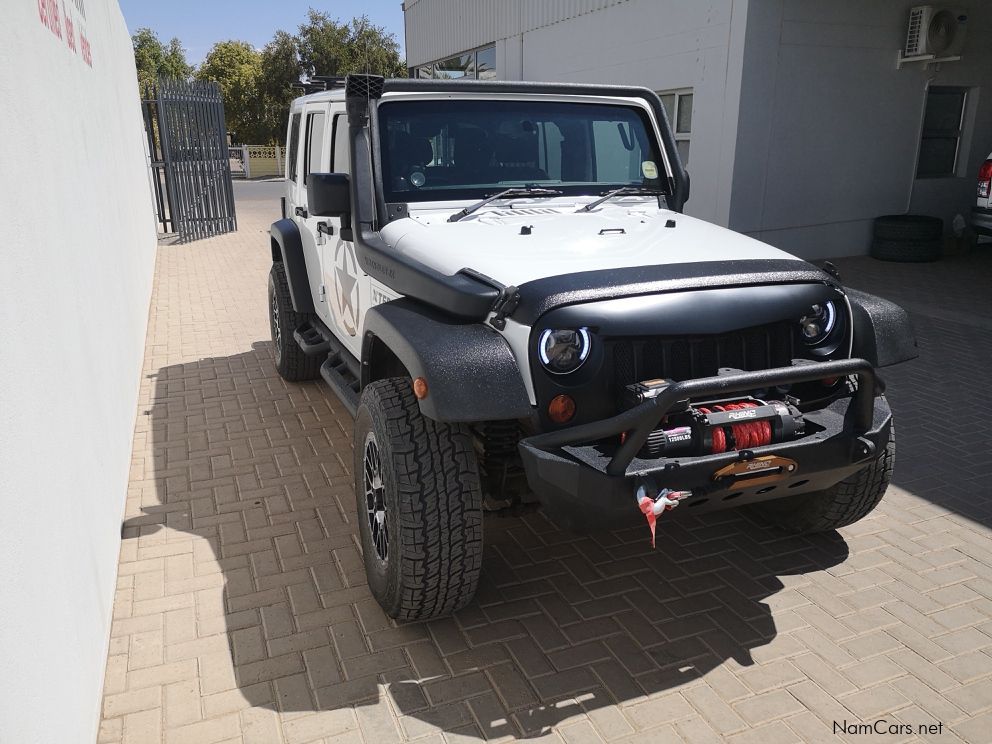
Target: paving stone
{"type": "Point", "coordinates": [321, 724]}
{"type": "Point", "coordinates": [131, 702]}
{"type": "Point", "coordinates": [767, 706]}
{"type": "Point", "coordinates": [142, 727]}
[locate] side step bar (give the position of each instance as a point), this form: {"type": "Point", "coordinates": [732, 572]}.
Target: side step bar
{"type": "Point", "coordinates": [340, 370]}
{"type": "Point", "coordinates": [312, 340]}
{"type": "Point", "coordinates": [345, 385]}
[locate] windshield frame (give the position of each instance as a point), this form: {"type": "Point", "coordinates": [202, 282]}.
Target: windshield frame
{"type": "Point", "coordinates": [640, 107]}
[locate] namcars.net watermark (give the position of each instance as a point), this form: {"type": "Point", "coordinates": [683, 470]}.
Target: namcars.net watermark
{"type": "Point", "coordinates": [884, 726]}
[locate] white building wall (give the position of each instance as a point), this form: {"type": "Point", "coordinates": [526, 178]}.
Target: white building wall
{"type": "Point", "coordinates": [440, 28]}
{"type": "Point", "coordinates": [77, 260]}
{"type": "Point", "coordinates": [829, 128]}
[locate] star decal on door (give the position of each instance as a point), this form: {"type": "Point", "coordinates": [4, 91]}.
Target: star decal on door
{"type": "Point", "coordinates": [346, 287]}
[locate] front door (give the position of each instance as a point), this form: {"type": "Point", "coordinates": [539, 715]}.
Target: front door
{"type": "Point", "coordinates": [347, 286]}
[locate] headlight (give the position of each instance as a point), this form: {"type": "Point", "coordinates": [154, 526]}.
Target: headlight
{"type": "Point", "coordinates": [563, 351]}
{"type": "Point", "coordinates": [818, 323]}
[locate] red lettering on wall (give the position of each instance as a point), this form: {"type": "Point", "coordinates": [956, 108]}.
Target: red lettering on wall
{"type": "Point", "coordinates": [48, 12]}
{"type": "Point", "coordinates": [55, 18]}
{"type": "Point", "coordinates": [84, 45]}
{"type": "Point", "coordinates": [70, 35]}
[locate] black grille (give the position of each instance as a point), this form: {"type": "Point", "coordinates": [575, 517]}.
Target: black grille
{"type": "Point", "coordinates": [689, 357]}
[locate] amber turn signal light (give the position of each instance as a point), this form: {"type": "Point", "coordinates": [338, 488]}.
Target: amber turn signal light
{"type": "Point", "coordinates": [420, 388]}
{"type": "Point", "coordinates": [561, 409]}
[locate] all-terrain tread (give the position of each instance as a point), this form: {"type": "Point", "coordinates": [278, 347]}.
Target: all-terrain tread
{"type": "Point", "coordinates": [439, 496]}
{"type": "Point", "coordinates": [843, 504]}
{"type": "Point", "coordinates": [293, 365]}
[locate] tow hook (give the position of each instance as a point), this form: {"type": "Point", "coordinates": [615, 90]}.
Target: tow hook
{"type": "Point", "coordinates": [653, 502]}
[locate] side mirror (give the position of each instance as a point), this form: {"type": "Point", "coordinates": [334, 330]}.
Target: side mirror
{"type": "Point", "coordinates": [328, 194]}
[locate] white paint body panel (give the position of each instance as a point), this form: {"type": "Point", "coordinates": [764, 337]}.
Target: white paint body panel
{"type": "Point", "coordinates": [564, 242]}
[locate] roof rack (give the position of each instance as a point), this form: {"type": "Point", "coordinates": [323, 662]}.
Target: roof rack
{"type": "Point", "coordinates": [318, 83]}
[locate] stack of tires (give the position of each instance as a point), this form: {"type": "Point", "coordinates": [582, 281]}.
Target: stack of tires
{"type": "Point", "coordinates": [907, 237]}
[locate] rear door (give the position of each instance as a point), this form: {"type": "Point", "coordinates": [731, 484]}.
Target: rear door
{"type": "Point", "coordinates": [347, 286]}
{"type": "Point", "coordinates": [313, 156]}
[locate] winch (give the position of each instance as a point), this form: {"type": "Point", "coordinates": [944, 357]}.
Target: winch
{"type": "Point", "coordinates": [715, 426]}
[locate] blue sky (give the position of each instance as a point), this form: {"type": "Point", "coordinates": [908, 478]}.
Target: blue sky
{"type": "Point", "coordinates": [200, 23]}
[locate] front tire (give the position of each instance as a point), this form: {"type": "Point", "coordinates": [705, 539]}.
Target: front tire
{"type": "Point", "coordinates": [838, 506]}
{"type": "Point", "coordinates": [419, 505]}
{"type": "Point", "coordinates": [291, 363]}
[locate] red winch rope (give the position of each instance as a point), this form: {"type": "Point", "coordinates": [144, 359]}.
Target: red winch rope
{"type": "Point", "coordinates": [751, 434]}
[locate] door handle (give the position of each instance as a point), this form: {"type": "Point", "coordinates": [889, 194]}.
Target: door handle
{"type": "Point", "coordinates": [301, 212]}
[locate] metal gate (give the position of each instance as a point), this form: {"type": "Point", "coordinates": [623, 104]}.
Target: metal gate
{"type": "Point", "coordinates": [191, 168]}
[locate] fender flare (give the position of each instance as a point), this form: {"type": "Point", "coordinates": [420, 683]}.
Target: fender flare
{"type": "Point", "coordinates": [883, 332]}
{"type": "Point", "coordinates": [287, 246]}
{"type": "Point", "coordinates": [470, 370]}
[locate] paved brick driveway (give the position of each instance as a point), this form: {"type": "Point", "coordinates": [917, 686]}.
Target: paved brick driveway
{"type": "Point", "coordinates": [242, 612]}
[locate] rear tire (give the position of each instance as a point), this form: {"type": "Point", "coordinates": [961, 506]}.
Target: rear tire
{"type": "Point", "coordinates": [842, 504]}
{"type": "Point", "coordinates": [291, 363]}
{"type": "Point", "coordinates": [419, 505]}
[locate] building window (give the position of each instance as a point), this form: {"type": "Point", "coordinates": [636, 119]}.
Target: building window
{"type": "Point", "coordinates": [941, 139]}
{"type": "Point", "coordinates": [477, 64]}
{"type": "Point", "coordinates": [485, 63]}
{"type": "Point", "coordinates": [678, 106]}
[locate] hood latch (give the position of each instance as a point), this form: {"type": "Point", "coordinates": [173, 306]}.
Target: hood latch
{"type": "Point", "coordinates": [503, 307]}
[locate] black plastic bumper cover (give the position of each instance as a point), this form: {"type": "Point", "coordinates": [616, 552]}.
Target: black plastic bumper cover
{"type": "Point", "coordinates": [584, 484]}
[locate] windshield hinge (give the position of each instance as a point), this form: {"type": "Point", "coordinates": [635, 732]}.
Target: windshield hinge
{"type": "Point", "coordinates": [503, 307]}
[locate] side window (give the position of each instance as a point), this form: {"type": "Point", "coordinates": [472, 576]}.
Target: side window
{"type": "Point", "coordinates": [341, 160]}
{"type": "Point", "coordinates": [315, 143]}
{"type": "Point", "coordinates": [294, 147]}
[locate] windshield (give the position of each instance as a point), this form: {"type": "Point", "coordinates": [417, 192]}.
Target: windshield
{"type": "Point", "coordinates": [469, 149]}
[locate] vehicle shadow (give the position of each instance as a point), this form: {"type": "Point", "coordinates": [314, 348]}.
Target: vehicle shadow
{"type": "Point", "coordinates": [258, 471]}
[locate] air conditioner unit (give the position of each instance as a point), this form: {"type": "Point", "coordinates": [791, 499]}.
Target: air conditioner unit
{"type": "Point", "coordinates": [939, 32]}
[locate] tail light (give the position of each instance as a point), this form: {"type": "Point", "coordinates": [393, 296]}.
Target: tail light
{"type": "Point", "coordinates": [985, 180]}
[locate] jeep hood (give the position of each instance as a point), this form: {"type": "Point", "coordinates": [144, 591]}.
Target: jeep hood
{"type": "Point", "coordinates": [526, 243]}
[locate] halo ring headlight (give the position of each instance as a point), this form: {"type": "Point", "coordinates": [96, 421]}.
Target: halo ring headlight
{"type": "Point", "coordinates": [818, 323]}
{"type": "Point", "coordinates": [562, 351]}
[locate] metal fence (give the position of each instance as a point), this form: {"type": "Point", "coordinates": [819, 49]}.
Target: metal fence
{"type": "Point", "coordinates": [190, 162]}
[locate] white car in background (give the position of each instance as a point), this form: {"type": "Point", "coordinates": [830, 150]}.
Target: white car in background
{"type": "Point", "coordinates": [981, 215]}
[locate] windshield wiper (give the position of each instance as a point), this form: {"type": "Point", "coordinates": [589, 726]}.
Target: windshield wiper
{"type": "Point", "coordinates": [622, 191]}
{"type": "Point", "coordinates": [511, 192]}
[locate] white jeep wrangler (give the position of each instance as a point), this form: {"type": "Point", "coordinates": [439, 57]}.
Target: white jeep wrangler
{"type": "Point", "coordinates": [497, 280]}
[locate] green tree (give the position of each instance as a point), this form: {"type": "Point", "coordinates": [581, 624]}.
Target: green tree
{"type": "Point", "coordinates": [329, 47]}
{"type": "Point", "coordinates": [323, 45]}
{"type": "Point", "coordinates": [280, 70]}
{"type": "Point", "coordinates": [152, 58]}
{"type": "Point", "coordinates": [237, 67]}
{"type": "Point", "coordinates": [374, 50]}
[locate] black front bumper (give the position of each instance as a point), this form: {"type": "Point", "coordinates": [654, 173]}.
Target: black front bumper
{"type": "Point", "coordinates": [584, 483]}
